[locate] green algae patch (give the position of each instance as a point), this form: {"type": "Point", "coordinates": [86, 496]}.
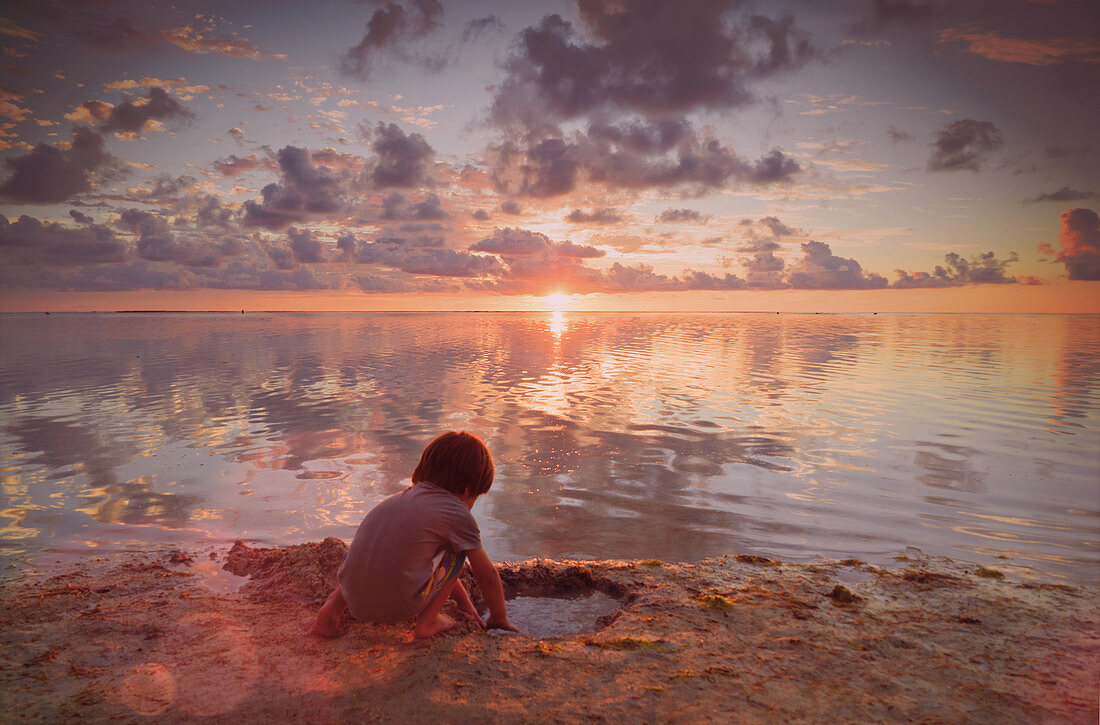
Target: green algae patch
{"type": "Point", "coordinates": [988, 573]}
{"type": "Point", "coordinates": [716, 602]}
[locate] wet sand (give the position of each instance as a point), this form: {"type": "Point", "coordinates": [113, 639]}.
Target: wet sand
{"type": "Point", "coordinates": [138, 638]}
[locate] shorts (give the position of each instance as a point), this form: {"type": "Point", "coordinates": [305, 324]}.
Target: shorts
{"type": "Point", "coordinates": [447, 566]}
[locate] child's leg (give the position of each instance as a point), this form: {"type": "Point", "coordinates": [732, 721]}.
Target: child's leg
{"type": "Point", "coordinates": [327, 623]}
{"type": "Point", "coordinates": [431, 619]}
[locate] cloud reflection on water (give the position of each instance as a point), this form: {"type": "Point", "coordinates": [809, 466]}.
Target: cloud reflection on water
{"type": "Point", "coordinates": [669, 436]}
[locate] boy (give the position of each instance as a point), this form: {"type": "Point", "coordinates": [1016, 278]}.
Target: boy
{"type": "Point", "coordinates": [406, 555]}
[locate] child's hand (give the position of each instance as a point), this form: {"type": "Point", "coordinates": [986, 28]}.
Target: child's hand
{"type": "Point", "coordinates": [502, 623]}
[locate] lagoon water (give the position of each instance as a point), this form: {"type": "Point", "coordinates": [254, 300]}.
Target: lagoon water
{"type": "Point", "coordinates": [615, 435]}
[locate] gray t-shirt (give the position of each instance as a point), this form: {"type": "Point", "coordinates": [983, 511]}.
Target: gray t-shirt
{"type": "Point", "coordinates": [397, 547]}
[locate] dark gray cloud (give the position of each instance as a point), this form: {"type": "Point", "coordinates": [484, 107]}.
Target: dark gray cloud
{"type": "Point", "coordinates": [1080, 244]}
{"type": "Point", "coordinates": [776, 227]}
{"type": "Point", "coordinates": [438, 262]}
{"type": "Point", "coordinates": [819, 268]}
{"type": "Point", "coordinates": [645, 56]}
{"type": "Point", "coordinates": [554, 166]}
{"type": "Point", "coordinates": [395, 207]}
{"type": "Point", "coordinates": [681, 216]}
{"type": "Point", "coordinates": [389, 31]}
{"type": "Point", "coordinates": [29, 241]}
{"type": "Point", "coordinates": [510, 242]}
{"type": "Point", "coordinates": [157, 243]}
{"type": "Point", "coordinates": [964, 144]}
{"type": "Point", "coordinates": [957, 271]}
{"type": "Point", "coordinates": [48, 174]}
{"type": "Point", "coordinates": [1065, 194]}
{"type": "Point", "coordinates": [403, 161]}
{"type": "Point", "coordinates": [596, 216]}
{"type": "Point", "coordinates": [132, 117]}
{"type": "Point", "coordinates": [307, 191]}
{"type": "Point", "coordinates": [304, 246]}
{"type": "Point", "coordinates": [80, 218]}
{"type": "Point", "coordinates": [481, 215]}
{"type": "Point", "coordinates": [511, 206]}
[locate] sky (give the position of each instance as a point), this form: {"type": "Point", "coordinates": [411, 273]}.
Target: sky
{"type": "Point", "coordinates": [834, 155]}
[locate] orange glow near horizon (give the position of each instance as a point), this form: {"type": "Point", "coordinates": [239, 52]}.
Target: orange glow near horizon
{"type": "Point", "coordinates": [1064, 297]}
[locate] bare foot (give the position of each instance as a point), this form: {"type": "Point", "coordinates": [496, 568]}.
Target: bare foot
{"type": "Point", "coordinates": [325, 626]}
{"type": "Point", "coordinates": [428, 628]}
{"type": "Point", "coordinates": [327, 623]}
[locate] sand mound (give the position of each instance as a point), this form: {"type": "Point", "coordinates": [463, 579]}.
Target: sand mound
{"type": "Point", "coordinates": [304, 574]}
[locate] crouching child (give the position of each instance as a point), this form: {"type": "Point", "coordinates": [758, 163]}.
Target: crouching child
{"type": "Point", "coordinates": [407, 553]}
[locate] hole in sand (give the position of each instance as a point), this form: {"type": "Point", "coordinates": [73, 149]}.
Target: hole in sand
{"type": "Point", "coordinates": [555, 599]}
{"type": "Point", "coordinates": [562, 615]}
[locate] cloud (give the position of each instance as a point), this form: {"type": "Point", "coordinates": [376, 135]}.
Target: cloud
{"type": "Point", "coordinates": [596, 216]}
{"type": "Point", "coordinates": [402, 161]}
{"type": "Point", "coordinates": [389, 31]}
{"type": "Point", "coordinates": [80, 218]}
{"type": "Point", "coordinates": [510, 242]}
{"type": "Point", "coordinates": [415, 260]}
{"type": "Point", "coordinates": [202, 40]}
{"type": "Point", "coordinates": [1080, 244]}
{"type": "Point", "coordinates": [964, 144]}
{"type": "Point", "coordinates": [897, 135]}
{"type": "Point", "coordinates": [304, 246]}
{"type": "Point", "coordinates": [306, 191]}
{"type": "Point", "coordinates": [157, 243]}
{"type": "Point", "coordinates": [133, 117]}
{"type": "Point", "coordinates": [511, 206]}
{"type": "Point", "coordinates": [481, 215]}
{"type": "Point", "coordinates": [957, 271]}
{"type": "Point", "coordinates": [234, 165]}
{"type": "Point", "coordinates": [1063, 195]}
{"type": "Point", "coordinates": [396, 208]}
{"type": "Point", "coordinates": [91, 112]}
{"type": "Point", "coordinates": [632, 155]}
{"type": "Point", "coordinates": [776, 227]}
{"type": "Point", "coordinates": [48, 175]}
{"type": "Point", "coordinates": [478, 26]}
{"type": "Point", "coordinates": [645, 56]}
{"type": "Point", "coordinates": [681, 216]}
{"type": "Point", "coordinates": [1030, 51]}
{"type": "Point", "coordinates": [820, 269]}
{"type": "Point", "coordinates": [29, 241]}
{"type": "Point", "coordinates": [12, 30]}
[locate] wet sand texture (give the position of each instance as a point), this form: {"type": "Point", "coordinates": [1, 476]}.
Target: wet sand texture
{"type": "Point", "coordinates": [741, 639]}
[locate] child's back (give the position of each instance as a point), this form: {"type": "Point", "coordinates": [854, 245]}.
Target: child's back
{"type": "Point", "coordinates": [406, 556]}
{"type": "Point", "coordinates": [400, 543]}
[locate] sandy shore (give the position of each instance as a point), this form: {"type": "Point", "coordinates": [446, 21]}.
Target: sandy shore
{"type": "Point", "coordinates": [733, 639]}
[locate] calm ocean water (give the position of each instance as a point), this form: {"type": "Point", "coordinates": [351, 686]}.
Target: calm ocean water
{"type": "Point", "coordinates": [615, 435]}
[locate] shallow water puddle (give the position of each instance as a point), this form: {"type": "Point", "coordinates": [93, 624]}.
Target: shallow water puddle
{"type": "Point", "coordinates": [559, 616]}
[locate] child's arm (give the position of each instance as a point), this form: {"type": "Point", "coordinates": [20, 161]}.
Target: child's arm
{"type": "Point", "coordinates": [491, 589]}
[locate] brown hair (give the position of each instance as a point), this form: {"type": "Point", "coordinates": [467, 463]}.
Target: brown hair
{"type": "Point", "coordinates": [457, 461]}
